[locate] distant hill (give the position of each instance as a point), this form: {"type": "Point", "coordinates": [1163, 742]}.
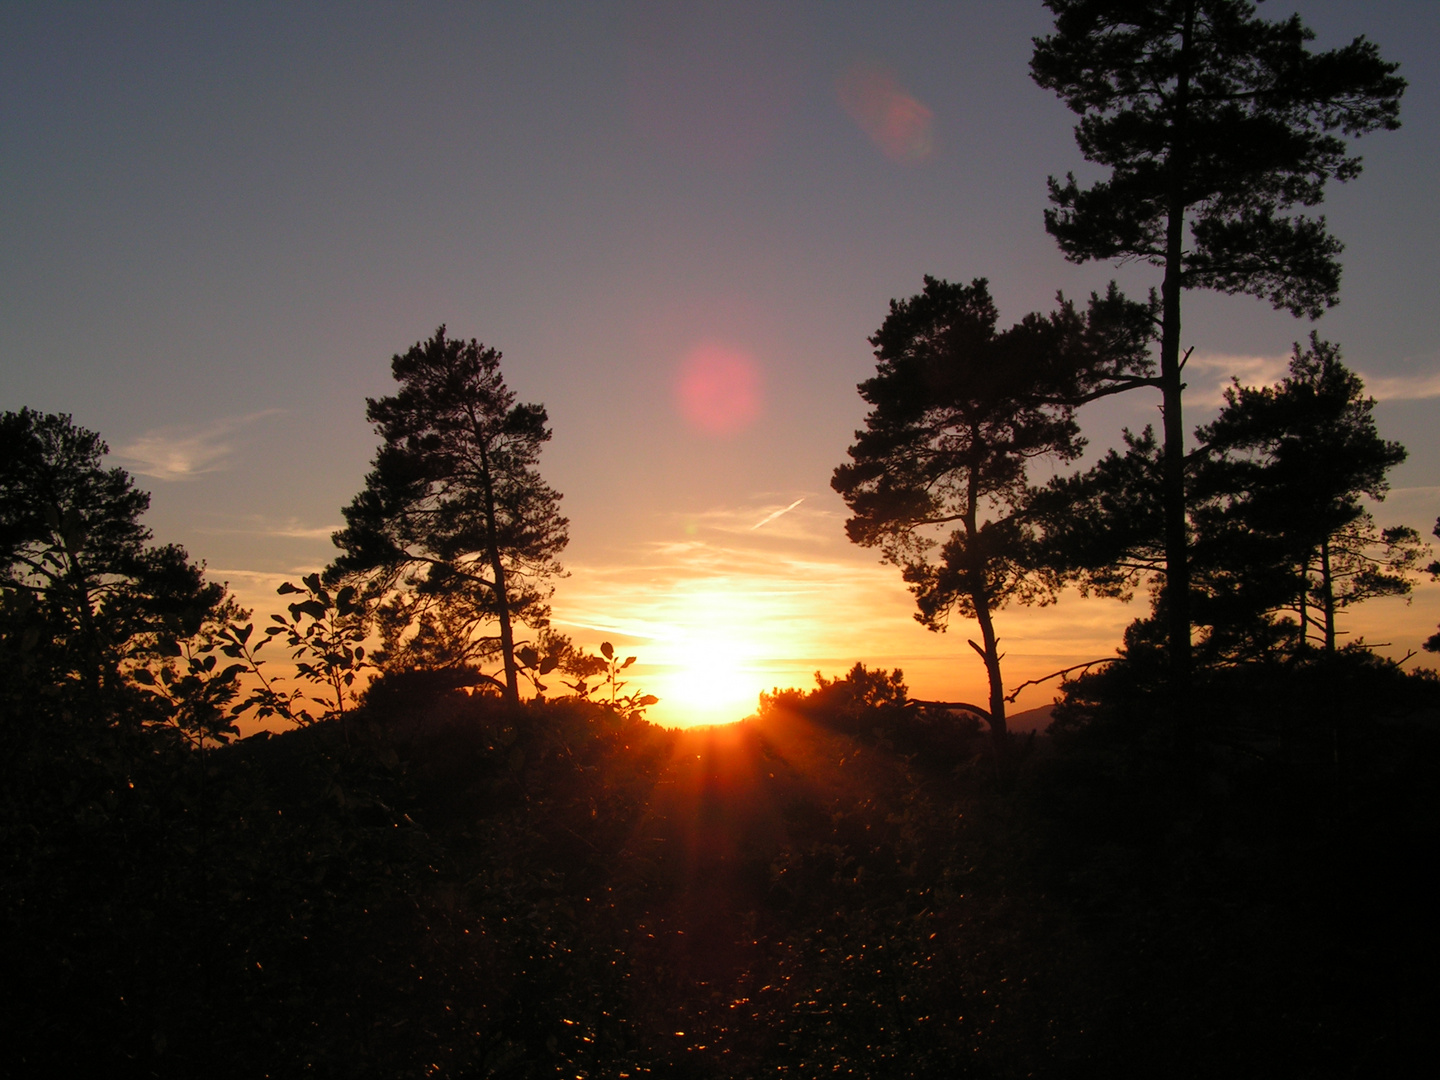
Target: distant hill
{"type": "Point", "coordinates": [1024, 723]}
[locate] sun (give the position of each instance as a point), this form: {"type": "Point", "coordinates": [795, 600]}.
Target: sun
{"type": "Point", "coordinates": [708, 678]}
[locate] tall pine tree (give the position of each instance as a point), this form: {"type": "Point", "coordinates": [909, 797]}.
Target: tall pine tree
{"type": "Point", "coordinates": [1218, 128]}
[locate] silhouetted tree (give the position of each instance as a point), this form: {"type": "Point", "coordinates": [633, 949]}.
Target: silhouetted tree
{"type": "Point", "coordinates": [1292, 462]}
{"type": "Point", "coordinates": [455, 527]}
{"type": "Point", "coordinates": [92, 613]}
{"type": "Point", "coordinates": [1432, 643]}
{"type": "Point", "coordinates": [938, 476]}
{"type": "Point", "coordinates": [1275, 513]}
{"type": "Point", "coordinates": [1211, 118]}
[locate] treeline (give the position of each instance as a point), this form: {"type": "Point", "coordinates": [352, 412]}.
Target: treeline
{"type": "Point", "coordinates": [1217, 131]}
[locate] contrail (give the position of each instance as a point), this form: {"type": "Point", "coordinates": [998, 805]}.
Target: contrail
{"type": "Point", "coordinates": [771, 517]}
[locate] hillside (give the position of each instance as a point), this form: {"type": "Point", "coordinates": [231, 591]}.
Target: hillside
{"type": "Point", "coordinates": [560, 890]}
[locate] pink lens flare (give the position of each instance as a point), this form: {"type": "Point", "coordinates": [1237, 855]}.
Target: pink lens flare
{"type": "Point", "coordinates": [895, 120]}
{"type": "Point", "coordinates": [718, 390]}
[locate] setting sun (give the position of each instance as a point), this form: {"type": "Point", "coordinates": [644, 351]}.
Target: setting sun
{"type": "Point", "coordinates": [708, 677]}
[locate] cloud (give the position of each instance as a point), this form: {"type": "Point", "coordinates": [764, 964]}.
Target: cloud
{"type": "Point", "coordinates": [1415, 387]}
{"type": "Point", "coordinates": [772, 516]}
{"type": "Point", "coordinates": [770, 607]}
{"type": "Point", "coordinates": [289, 529]}
{"type": "Point", "coordinates": [1208, 374]}
{"type": "Point", "coordinates": [779, 522]}
{"type": "Point", "coordinates": [186, 452]}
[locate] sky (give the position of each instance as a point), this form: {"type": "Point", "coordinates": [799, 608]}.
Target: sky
{"type": "Point", "coordinates": [221, 221]}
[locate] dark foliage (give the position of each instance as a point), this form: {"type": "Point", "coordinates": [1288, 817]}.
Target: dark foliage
{"type": "Point", "coordinates": [1280, 537]}
{"type": "Point", "coordinates": [836, 885]}
{"type": "Point", "coordinates": [959, 410]}
{"type": "Point", "coordinates": [1215, 126]}
{"type": "Point", "coordinates": [1290, 464]}
{"type": "Point", "coordinates": [455, 528]}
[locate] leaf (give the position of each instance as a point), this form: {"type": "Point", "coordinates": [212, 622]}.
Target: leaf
{"type": "Point", "coordinates": [359, 652]}
{"type": "Point", "coordinates": [167, 647]}
{"type": "Point", "coordinates": [345, 600]}
{"type": "Point", "coordinates": [143, 676]}
{"type": "Point", "coordinates": [648, 700]}
{"type": "Point", "coordinates": [607, 650]}
{"type": "Point", "coordinates": [209, 664]}
{"type": "Point", "coordinates": [549, 664]}
{"type": "Point", "coordinates": [287, 588]}
{"type": "Point", "coordinates": [243, 634]}
{"type": "Point", "coordinates": [528, 656]}
{"type": "Point", "coordinates": [628, 661]}
{"type": "Point", "coordinates": [312, 582]}
{"type": "Point", "coordinates": [314, 608]}
{"type": "Point", "coordinates": [231, 673]}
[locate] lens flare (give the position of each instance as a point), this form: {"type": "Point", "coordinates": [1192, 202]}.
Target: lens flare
{"type": "Point", "coordinates": [896, 121]}
{"type": "Point", "coordinates": [718, 390]}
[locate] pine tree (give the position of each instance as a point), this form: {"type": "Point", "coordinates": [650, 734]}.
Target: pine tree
{"type": "Point", "coordinates": [937, 479]}
{"type": "Point", "coordinates": [455, 527]}
{"type": "Point", "coordinates": [1215, 126]}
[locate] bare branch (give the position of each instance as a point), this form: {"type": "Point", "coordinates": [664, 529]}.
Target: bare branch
{"type": "Point", "coordinates": [1010, 697]}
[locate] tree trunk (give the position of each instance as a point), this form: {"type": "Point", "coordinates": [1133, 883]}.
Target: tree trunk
{"type": "Point", "coordinates": [980, 598]}
{"type": "Point", "coordinates": [502, 597]}
{"type": "Point", "coordinates": [1304, 606]}
{"type": "Point", "coordinates": [990, 654]}
{"type": "Point", "coordinates": [1177, 564]}
{"type": "Point", "coordinates": [1327, 592]}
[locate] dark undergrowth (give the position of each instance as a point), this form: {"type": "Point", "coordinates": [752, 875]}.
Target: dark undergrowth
{"type": "Point", "coordinates": [842, 885]}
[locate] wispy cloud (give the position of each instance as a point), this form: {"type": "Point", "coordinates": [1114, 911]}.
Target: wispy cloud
{"type": "Point", "coordinates": [772, 516]}
{"type": "Point", "coordinates": [186, 452]}
{"type": "Point", "coordinates": [814, 523]}
{"type": "Point", "coordinates": [1208, 374]}
{"type": "Point", "coordinates": [1414, 387]}
{"type": "Point", "coordinates": [289, 529]}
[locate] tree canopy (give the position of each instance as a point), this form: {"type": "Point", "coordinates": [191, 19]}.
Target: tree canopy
{"type": "Point", "coordinates": [959, 409]}
{"type": "Point", "coordinates": [89, 604]}
{"type": "Point", "coordinates": [1218, 129]}
{"type": "Point", "coordinates": [1294, 462]}
{"type": "Point", "coordinates": [455, 526]}
{"type": "Point", "coordinates": [1276, 514]}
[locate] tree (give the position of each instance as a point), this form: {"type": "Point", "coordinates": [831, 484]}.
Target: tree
{"type": "Point", "coordinates": [1432, 643]}
{"type": "Point", "coordinates": [1292, 462]}
{"type": "Point", "coordinates": [94, 618]}
{"type": "Point", "coordinates": [1218, 124]}
{"type": "Point", "coordinates": [937, 479]}
{"type": "Point", "coordinates": [1275, 516]}
{"type": "Point", "coordinates": [455, 527]}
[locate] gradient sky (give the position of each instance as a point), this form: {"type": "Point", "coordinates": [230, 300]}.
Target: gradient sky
{"type": "Point", "coordinates": [220, 221]}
